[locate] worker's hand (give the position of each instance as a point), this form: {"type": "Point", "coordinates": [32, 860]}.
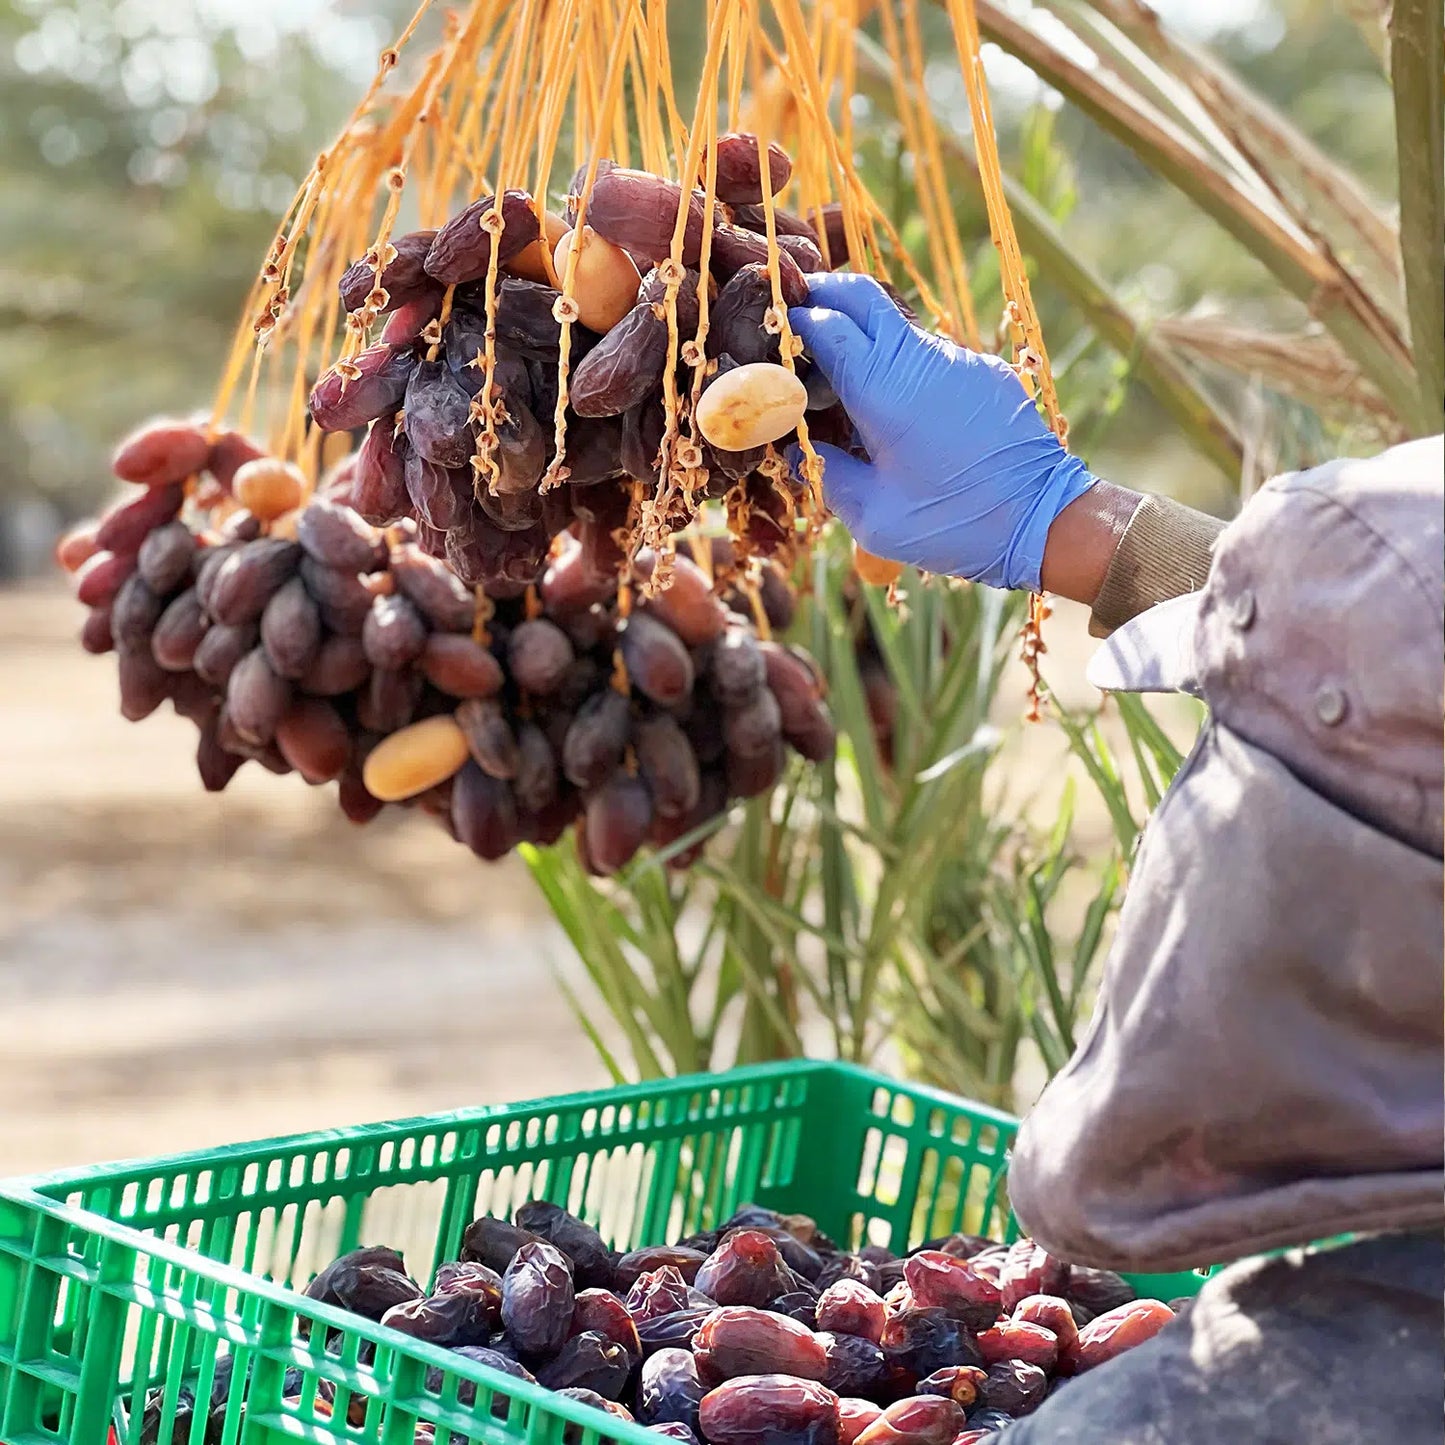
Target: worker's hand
{"type": "Point", "coordinates": [965, 477]}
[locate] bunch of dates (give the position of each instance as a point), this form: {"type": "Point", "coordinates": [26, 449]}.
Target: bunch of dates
{"type": "Point", "coordinates": [479, 470]}
{"type": "Point", "coordinates": [763, 1331]}
{"type": "Point", "coordinates": [297, 635]}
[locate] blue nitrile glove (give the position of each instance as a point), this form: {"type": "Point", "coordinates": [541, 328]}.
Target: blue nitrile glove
{"type": "Point", "coordinates": [966, 478]}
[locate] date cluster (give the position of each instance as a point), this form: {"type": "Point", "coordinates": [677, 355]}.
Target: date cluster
{"type": "Point", "coordinates": [315, 643]}
{"type": "Point", "coordinates": [763, 1331]}
{"type": "Point", "coordinates": [486, 473]}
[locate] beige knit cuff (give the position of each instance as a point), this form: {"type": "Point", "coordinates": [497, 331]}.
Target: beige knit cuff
{"type": "Point", "coordinates": [1165, 552]}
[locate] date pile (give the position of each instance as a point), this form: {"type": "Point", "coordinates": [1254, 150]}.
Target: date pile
{"type": "Point", "coordinates": [762, 1332]}
{"type": "Point", "coordinates": [481, 475]}
{"type": "Point", "coordinates": [328, 648]}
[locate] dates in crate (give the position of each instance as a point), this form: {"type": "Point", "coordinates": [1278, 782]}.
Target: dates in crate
{"type": "Point", "coordinates": [740, 1340]}
{"type": "Point", "coordinates": [923, 1420]}
{"type": "Point", "coordinates": [590, 1257]}
{"type": "Point", "coordinates": [770, 1410]}
{"type": "Point", "coordinates": [1115, 1331]}
{"type": "Point", "coordinates": [588, 1361]}
{"type": "Point", "coordinates": [745, 1269]}
{"type": "Point", "coordinates": [538, 1298]}
{"type": "Point", "coordinates": [952, 1284]}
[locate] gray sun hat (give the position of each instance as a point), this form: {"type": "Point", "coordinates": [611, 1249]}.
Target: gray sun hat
{"type": "Point", "coordinates": [1264, 1063]}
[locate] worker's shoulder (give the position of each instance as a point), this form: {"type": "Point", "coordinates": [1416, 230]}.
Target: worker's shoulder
{"type": "Point", "coordinates": [1392, 504]}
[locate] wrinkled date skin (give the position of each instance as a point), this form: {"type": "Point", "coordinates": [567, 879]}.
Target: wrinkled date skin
{"type": "Point", "coordinates": [740, 1340]}
{"type": "Point", "coordinates": [659, 1292]}
{"type": "Point", "coordinates": [538, 1299]}
{"type": "Point", "coordinates": [746, 1269]}
{"type": "Point", "coordinates": [917, 1342]}
{"type": "Point", "coordinates": [592, 1261]}
{"type": "Point", "coordinates": [943, 1281]}
{"type": "Point", "coordinates": [770, 1410]}
{"type": "Point", "coordinates": [1113, 1332]}
{"type": "Point", "coordinates": [458, 1317]}
{"type": "Point", "coordinates": [1019, 1340]}
{"type": "Point", "coordinates": [1030, 1269]}
{"type": "Point", "coordinates": [599, 1311]}
{"type": "Point", "coordinates": [589, 1361]}
{"type": "Point", "coordinates": [924, 1420]}
{"type": "Point", "coordinates": [668, 1389]}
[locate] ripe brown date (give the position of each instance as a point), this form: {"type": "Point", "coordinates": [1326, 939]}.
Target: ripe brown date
{"type": "Point", "coordinates": [917, 1342]}
{"type": "Point", "coordinates": [336, 537]}
{"type": "Point", "coordinates": [443, 600]}
{"type": "Point", "coordinates": [1113, 1332]}
{"type": "Point", "coordinates": [923, 1420]}
{"type": "Point", "coordinates": [161, 452]}
{"type": "Point", "coordinates": [378, 481]}
{"type": "Point", "coordinates": [588, 1361]}
{"type": "Point", "coordinates": [742, 1340]}
{"type": "Point", "coordinates": [736, 670]}
{"type": "Point", "coordinates": [599, 1311]}
{"type": "Point", "coordinates": [638, 211]}
{"type": "Point", "coordinates": [538, 1297]}
{"type": "Point", "coordinates": [484, 818]}
{"type": "Point", "coordinates": [624, 368]}
{"type": "Point", "coordinates": [657, 1292]}
{"type": "Point", "coordinates": [952, 1284]}
{"type": "Point", "coordinates": [770, 1410]}
{"type": "Point", "coordinates": [257, 697]}
{"type": "Point", "coordinates": [314, 739]}
{"type": "Point", "coordinates": [1098, 1290]}
{"type": "Point", "coordinates": [584, 1247]}
{"type": "Point", "coordinates": [854, 1417]}
{"type": "Point", "coordinates": [394, 634]}
{"type": "Point", "coordinates": [618, 818]}
{"type": "Point", "coordinates": [456, 665]}
{"type": "Point", "coordinates": [493, 1242]}
{"type": "Point", "coordinates": [849, 1307]}
{"type": "Point", "coordinates": [458, 1317]}
{"type": "Point", "coordinates": [490, 738]}
{"type": "Point", "coordinates": [165, 557]}
{"type": "Point", "coordinates": [291, 630]}
{"type": "Point", "coordinates": [539, 654]}
{"type": "Point", "coordinates": [438, 416]}
{"type": "Point", "coordinates": [658, 664]}
{"type": "Point", "coordinates": [221, 649]}
{"type": "Point", "coordinates": [127, 524]}
{"type": "Point", "coordinates": [961, 1383]}
{"type": "Point", "coordinates": [739, 168]}
{"type": "Point", "coordinates": [372, 385]}
{"type": "Point", "coordinates": [461, 250]}
{"type": "Point", "coordinates": [669, 1390]}
{"type": "Point", "coordinates": [668, 765]}
{"type": "Point", "coordinates": [1019, 1340]}
{"type": "Point", "coordinates": [134, 613]}
{"type": "Point", "coordinates": [1030, 1269]}
{"type": "Point", "coordinates": [745, 1269]}
{"type": "Point", "coordinates": [249, 578]}
{"type": "Point", "coordinates": [675, 1329]}
{"type": "Point", "coordinates": [178, 633]}
{"type": "Point", "coordinates": [855, 1366]}
{"type": "Point", "coordinates": [403, 278]}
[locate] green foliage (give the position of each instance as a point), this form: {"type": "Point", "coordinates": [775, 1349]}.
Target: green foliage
{"type": "Point", "coordinates": [890, 906]}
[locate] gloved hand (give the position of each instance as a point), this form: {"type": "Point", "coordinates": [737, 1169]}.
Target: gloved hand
{"type": "Point", "coordinates": [966, 478]}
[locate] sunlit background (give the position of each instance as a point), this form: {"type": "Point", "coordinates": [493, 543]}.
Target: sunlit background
{"type": "Point", "coordinates": [178, 969]}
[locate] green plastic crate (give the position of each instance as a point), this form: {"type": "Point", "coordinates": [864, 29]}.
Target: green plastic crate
{"type": "Point", "coordinates": [121, 1278]}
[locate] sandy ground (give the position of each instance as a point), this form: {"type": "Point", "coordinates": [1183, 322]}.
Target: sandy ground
{"type": "Point", "coordinates": [179, 970]}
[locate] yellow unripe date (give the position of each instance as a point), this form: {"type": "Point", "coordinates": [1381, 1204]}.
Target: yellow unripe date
{"type": "Point", "coordinates": [750, 406]}
{"type": "Point", "coordinates": [606, 283]}
{"type": "Point", "coordinates": [269, 487]}
{"type": "Point", "coordinates": [414, 759]}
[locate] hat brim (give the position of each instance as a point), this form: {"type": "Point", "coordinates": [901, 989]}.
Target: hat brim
{"type": "Point", "coordinates": [1154, 652]}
